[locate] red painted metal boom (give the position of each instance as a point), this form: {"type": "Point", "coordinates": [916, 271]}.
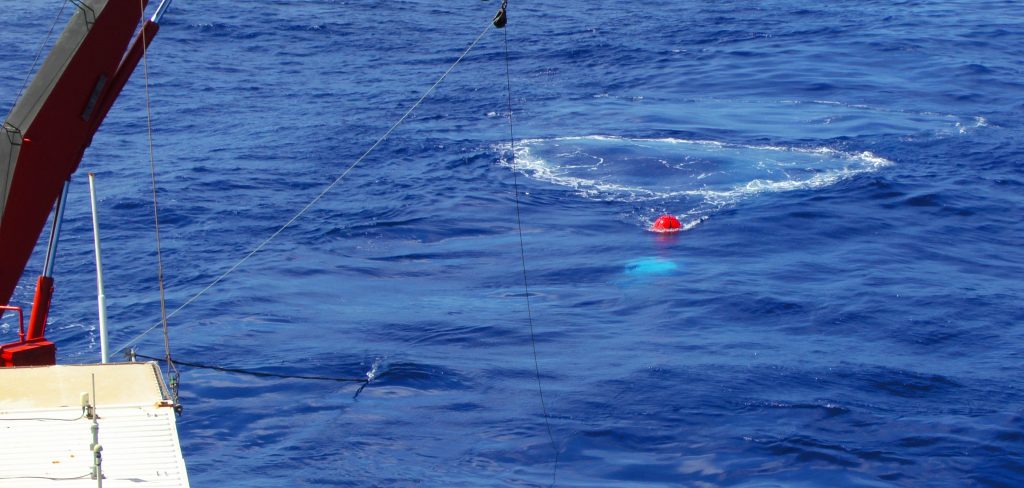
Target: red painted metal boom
{"type": "Point", "coordinates": [46, 134]}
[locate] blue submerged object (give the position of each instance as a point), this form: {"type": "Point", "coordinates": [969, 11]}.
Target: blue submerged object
{"type": "Point", "coordinates": [652, 266]}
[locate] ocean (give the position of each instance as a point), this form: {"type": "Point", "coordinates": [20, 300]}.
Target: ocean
{"type": "Point", "coordinates": [844, 307]}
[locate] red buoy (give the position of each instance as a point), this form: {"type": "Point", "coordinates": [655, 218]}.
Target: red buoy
{"type": "Point", "coordinates": [666, 223]}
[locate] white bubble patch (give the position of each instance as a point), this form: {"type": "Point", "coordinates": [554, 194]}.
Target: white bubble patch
{"type": "Point", "coordinates": [612, 168]}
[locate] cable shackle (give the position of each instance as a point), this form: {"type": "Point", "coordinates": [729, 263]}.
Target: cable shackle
{"type": "Point", "coordinates": [501, 18]}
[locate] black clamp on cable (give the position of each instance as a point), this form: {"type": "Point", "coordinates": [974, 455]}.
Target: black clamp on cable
{"type": "Point", "coordinates": [175, 384]}
{"type": "Point", "coordinates": [501, 18]}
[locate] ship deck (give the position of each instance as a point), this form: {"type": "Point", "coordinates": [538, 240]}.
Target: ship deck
{"type": "Point", "coordinates": [47, 436]}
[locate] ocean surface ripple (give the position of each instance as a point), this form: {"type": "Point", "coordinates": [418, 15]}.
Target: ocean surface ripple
{"type": "Point", "coordinates": [844, 308]}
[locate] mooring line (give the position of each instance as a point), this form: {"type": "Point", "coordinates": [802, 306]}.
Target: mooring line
{"type": "Point", "coordinates": [316, 199]}
{"type": "Point", "coordinates": [173, 375]}
{"type": "Point", "coordinates": [501, 19]}
{"type": "Point", "coordinates": [251, 372]}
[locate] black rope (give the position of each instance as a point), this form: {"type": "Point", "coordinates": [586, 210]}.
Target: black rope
{"type": "Point", "coordinates": [250, 372]}
{"type": "Point", "coordinates": [500, 21]}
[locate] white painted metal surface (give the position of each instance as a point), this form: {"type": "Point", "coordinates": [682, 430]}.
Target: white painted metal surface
{"type": "Point", "coordinates": [101, 297]}
{"type": "Point", "coordinates": [46, 438]}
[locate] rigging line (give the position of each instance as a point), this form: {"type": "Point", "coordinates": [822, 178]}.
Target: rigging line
{"type": "Point", "coordinates": [522, 256]}
{"type": "Point", "coordinates": [316, 199]}
{"type": "Point", "coordinates": [259, 373]}
{"type": "Point", "coordinates": [39, 52]}
{"type": "Point", "coordinates": [171, 370]}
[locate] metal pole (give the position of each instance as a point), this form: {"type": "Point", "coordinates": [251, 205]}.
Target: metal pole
{"type": "Point", "coordinates": [95, 447]}
{"type": "Point", "coordinates": [44, 285]}
{"type": "Point", "coordinates": [51, 247]}
{"type": "Point", "coordinates": [160, 11]}
{"type": "Point", "coordinates": [101, 299]}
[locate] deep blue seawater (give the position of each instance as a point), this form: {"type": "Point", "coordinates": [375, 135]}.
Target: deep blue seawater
{"type": "Point", "coordinates": [845, 308]}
